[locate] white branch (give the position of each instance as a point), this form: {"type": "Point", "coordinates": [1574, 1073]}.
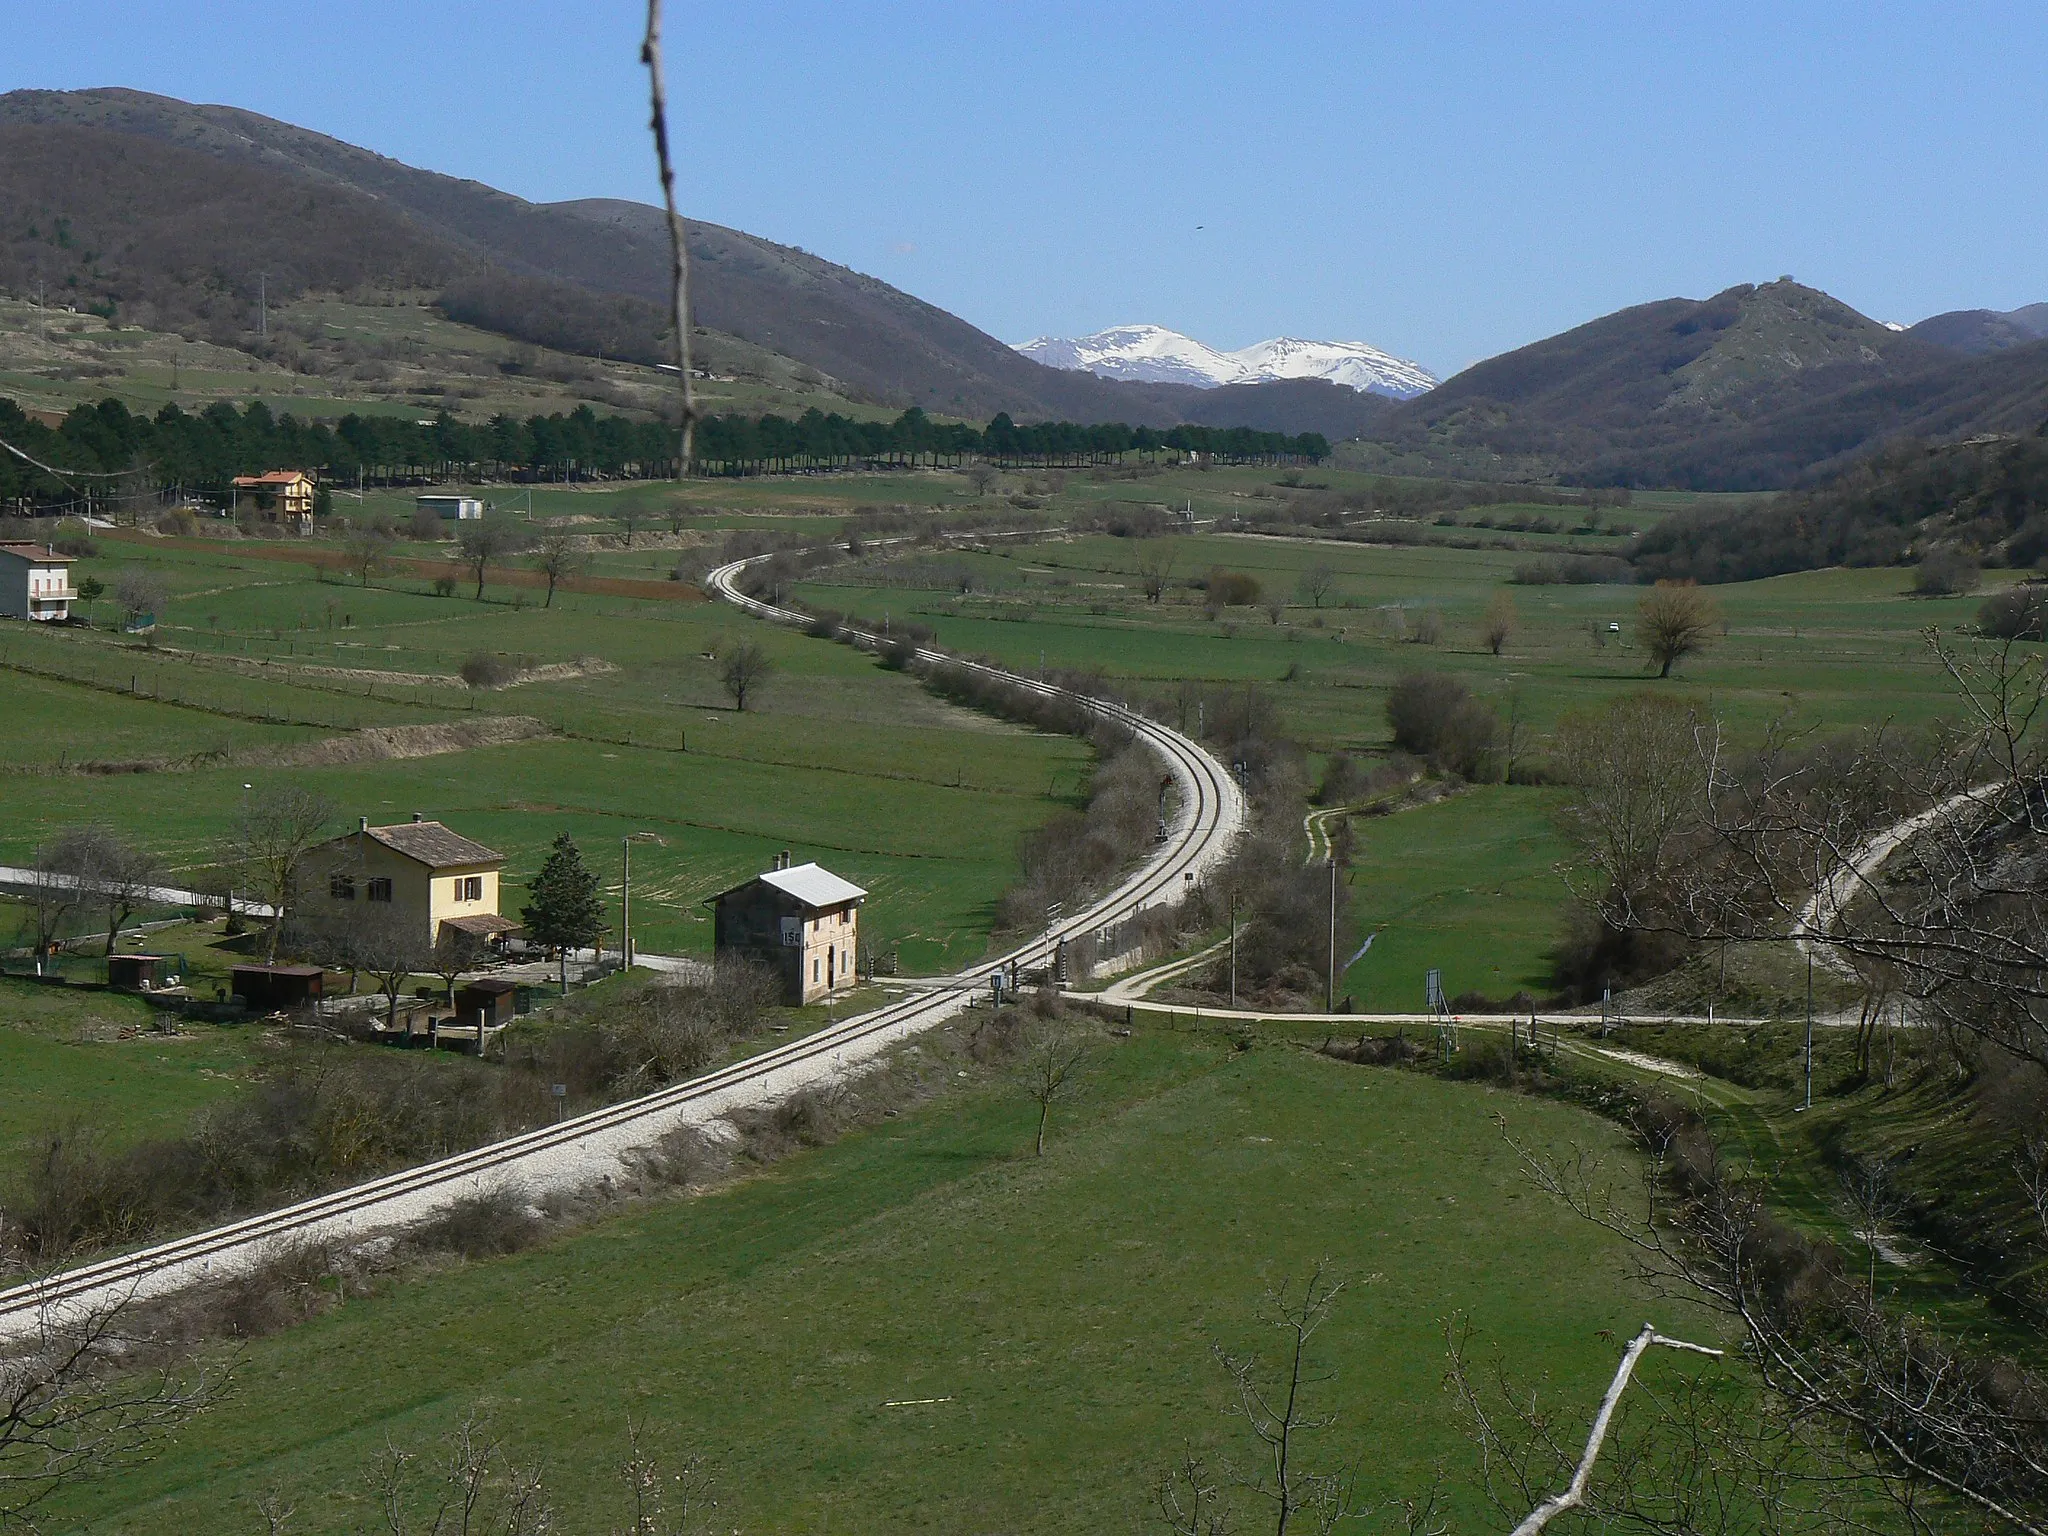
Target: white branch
{"type": "Point", "coordinates": [1575, 1495]}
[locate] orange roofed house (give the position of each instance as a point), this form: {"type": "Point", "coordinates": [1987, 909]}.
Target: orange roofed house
{"type": "Point", "coordinates": [282, 496]}
{"type": "Point", "coordinates": [432, 877]}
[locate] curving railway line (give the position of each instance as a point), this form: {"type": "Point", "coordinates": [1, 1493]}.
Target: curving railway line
{"type": "Point", "coordinates": [598, 1149]}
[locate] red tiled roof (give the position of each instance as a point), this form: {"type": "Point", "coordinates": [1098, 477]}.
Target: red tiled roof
{"type": "Point", "coordinates": [37, 553]}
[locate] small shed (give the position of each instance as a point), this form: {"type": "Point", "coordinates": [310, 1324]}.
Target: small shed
{"type": "Point", "coordinates": [802, 923]}
{"type": "Point", "coordinates": [497, 1001]}
{"type": "Point", "coordinates": [139, 973]}
{"type": "Point", "coordinates": [270, 988]}
{"type": "Point", "coordinates": [451, 509]}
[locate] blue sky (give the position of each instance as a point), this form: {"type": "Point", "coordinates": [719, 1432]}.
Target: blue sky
{"type": "Point", "coordinates": [1444, 180]}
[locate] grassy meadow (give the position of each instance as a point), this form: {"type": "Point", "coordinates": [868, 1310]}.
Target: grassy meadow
{"type": "Point", "coordinates": [260, 661]}
{"type": "Point", "coordinates": [922, 1327]}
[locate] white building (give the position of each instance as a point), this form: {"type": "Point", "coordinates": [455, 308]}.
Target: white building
{"type": "Point", "coordinates": [451, 509]}
{"type": "Point", "coordinates": [35, 583]}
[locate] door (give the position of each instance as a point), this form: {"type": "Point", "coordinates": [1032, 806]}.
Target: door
{"type": "Point", "coordinates": [831, 958]}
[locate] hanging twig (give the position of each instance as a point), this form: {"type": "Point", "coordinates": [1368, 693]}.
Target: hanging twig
{"type": "Point", "coordinates": [679, 256]}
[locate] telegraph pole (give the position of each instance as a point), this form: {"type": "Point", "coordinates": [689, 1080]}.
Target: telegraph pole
{"type": "Point", "coordinates": [263, 304]}
{"type": "Point", "coordinates": [1233, 945]}
{"type": "Point", "coordinates": [1330, 991]}
{"type": "Point", "coordinates": [1809, 1027]}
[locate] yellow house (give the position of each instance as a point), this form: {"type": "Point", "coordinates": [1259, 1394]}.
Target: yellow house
{"type": "Point", "coordinates": [434, 878]}
{"type": "Point", "coordinates": [284, 497]}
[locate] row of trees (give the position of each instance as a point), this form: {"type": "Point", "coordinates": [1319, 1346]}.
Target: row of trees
{"type": "Point", "coordinates": [202, 451]}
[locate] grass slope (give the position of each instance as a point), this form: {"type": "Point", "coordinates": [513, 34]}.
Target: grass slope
{"type": "Point", "coordinates": [1064, 1310]}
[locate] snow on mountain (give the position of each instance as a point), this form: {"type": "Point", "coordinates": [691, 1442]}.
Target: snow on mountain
{"type": "Point", "coordinates": [1154, 355]}
{"type": "Point", "coordinates": [1148, 354]}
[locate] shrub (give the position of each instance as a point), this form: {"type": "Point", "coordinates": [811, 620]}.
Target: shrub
{"type": "Point", "coordinates": [1946, 573]}
{"type": "Point", "coordinates": [180, 521]}
{"type": "Point", "coordinates": [2017, 613]}
{"type": "Point", "coordinates": [485, 669]}
{"type": "Point", "coordinates": [1435, 716]}
{"type": "Point", "coordinates": [1231, 589]}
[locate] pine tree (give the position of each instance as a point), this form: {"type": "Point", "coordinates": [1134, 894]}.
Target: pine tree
{"type": "Point", "coordinates": [565, 911]}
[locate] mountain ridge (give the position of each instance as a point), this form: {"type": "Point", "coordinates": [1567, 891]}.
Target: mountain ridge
{"type": "Point", "coordinates": [856, 331]}
{"type": "Point", "coordinates": [1154, 354]}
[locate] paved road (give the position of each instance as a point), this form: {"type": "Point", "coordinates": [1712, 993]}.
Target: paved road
{"type": "Point", "coordinates": [602, 1146]}
{"type": "Point", "coordinates": [15, 878]}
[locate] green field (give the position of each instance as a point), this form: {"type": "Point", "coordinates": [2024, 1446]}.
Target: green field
{"type": "Point", "coordinates": [1064, 1311]}
{"type": "Point", "coordinates": [65, 1061]}
{"type": "Point", "coordinates": [839, 760]}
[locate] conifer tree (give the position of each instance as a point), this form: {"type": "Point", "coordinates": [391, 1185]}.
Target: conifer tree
{"type": "Point", "coordinates": [565, 911]}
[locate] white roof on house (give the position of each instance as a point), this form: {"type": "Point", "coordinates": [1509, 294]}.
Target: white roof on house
{"type": "Point", "coordinates": [814, 887]}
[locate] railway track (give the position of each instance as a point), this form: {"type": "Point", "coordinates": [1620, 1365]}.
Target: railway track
{"type": "Point", "coordinates": [597, 1149]}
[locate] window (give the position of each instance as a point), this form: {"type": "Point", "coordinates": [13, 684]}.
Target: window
{"type": "Point", "coordinates": [814, 967]}
{"type": "Point", "coordinates": [380, 890]}
{"type": "Point", "coordinates": [469, 888]}
{"type": "Point", "coordinates": [342, 887]}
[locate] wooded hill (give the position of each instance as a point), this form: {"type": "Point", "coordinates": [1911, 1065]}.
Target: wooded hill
{"type": "Point", "coordinates": [1984, 501]}
{"type": "Point", "coordinates": [166, 212]}
{"type": "Point", "coordinates": [1756, 388]}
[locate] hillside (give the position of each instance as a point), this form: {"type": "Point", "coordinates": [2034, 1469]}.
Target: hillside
{"type": "Point", "coordinates": [1755, 388]}
{"type": "Point", "coordinates": [146, 200]}
{"type": "Point", "coordinates": [1985, 499]}
{"type": "Point", "coordinates": [1984, 330]}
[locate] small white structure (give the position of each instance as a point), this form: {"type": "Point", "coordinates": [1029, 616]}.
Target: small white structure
{"type": "Point", "coordinates": [451, 509]}
{"type": "Point", "coordinates": [35, 583]}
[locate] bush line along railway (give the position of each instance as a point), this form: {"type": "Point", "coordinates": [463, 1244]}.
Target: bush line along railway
{"type": "Point", "coordinates": [598, 1148]}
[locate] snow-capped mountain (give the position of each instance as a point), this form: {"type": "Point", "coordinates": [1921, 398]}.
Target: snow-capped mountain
{"type": "Point", "coordinates": [1152, 354]}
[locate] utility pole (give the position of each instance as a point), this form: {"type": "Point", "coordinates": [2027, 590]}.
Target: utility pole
{"type": "Point", "coordinates": [626, 893]}
{"type": "Point", "coordinates": [1233, 946]}
{"type": "Point", "coordinates": [1330, 991]}
{"type": "Point", "coordinates": [262, 304]}
{"type": "Point", "coordinates": [1809, 1027]}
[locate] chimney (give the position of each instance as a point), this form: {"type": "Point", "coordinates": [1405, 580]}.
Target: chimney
{"type": "Point", "coordinates": [416, 816]}
{"type": "Point", "coordinates": [782, 859]}
{"type": "Point", "coordinates": [362, 823]}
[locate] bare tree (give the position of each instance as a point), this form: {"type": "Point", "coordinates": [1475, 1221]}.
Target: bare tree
{"type": "Point", "coordinates": [558, 558]}
{"type": "Point", "coordinates": [1640, 766]}
{"type": "Point", "coordinates": [1050, 1068]}
{"type": "Point", "coordinates": [2030, 1166]}
{"type": "Point", "coordinates": [111, 871]}
{"type": "Point", "coordinates": [279, 826]}
{"type": "Point", "coordinates": [1278, 1414]}
{"type": "Point", "coordinates": [472, 1487]}
{"type": "Point", "coordinates": [142, 595]}
{"type": "Point", "coordinates": [485, 541]}
{"type": "Point", "coordinates": [1911, 1413]}
{"type": "Point", "coordinates": [367, 549]}
{"type": "Point", "coordinates": [49, 897]}
{"type": "Point", "coordinates": [663, 1502]}
{"type": "Point", "coordinates": [743, 666]}
{"type": "Point", "coordinates": [381, 941]}
{"type": "Point", "coordinates": [1317, 582]}
{"type": "Point", "coordinates": [456, 951]}
{"type": "Point", "coordinates": [1673, 621]}
{"type": "Point", "coordinates": [1155, 569]}
{"type": "Point", "coordinates": [66, 1417]}
{"type": "Point", "coordinates": [1876, 1200]}
{"type": "Point", "coordinates": [629, 518]}
{"type": "Point", "coordinates": [1499, 622]}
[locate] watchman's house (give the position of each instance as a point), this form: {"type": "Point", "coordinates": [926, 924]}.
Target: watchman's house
{"type": "Point", "coordinates": [802, 923]}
